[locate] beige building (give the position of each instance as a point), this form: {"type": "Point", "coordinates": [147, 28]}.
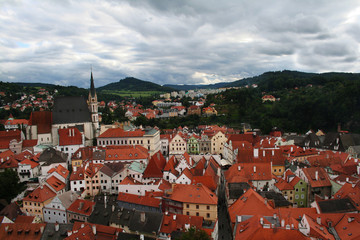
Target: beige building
{"type": "Point", "coordinates": [148, 138]}
{"type": "Point", "coordinates": [92, 178]}
{"type": "Point", "coordinates": [177, 145]}
{"type": "Point", "coordinates": [218, 141]}
{"type": "Point", "coordinates": [35, 201]}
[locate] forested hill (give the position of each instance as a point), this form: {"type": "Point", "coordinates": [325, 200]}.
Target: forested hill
{"type": "Point", "coordinates": [134, 84]}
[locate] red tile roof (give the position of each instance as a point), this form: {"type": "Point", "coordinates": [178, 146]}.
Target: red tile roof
{"type": "Point", "coordinates": [29, 143]}
{"type": "Point", "coordinates": [60, 170]}
{"type": "Point", "coordinates": [16, 231]}
{"type": "Point", "coordinates": [55, 183]}
{"type": "Point", "coordinates": [207, 181]}
{"type": "Point", "coordinates": [155, 167]}
{"type": "Point", "coordinates": [40, 194]}
{"type": "Point", "coordinates": [78, 174]}
{"type": "Point", "coordinates": [120, 133]}
{"type": "Point", "coordinates": [70, 136]}
{"type": "Point", "coordinates": [126, 153]}
{"type": "Point", "coordinates": [84, 231]}
{"type": "Point", "coordinates": [177, 222]}
{"type": "Point", "coordinates": [140, 200]}
{"type": "Point", "coordinates": [317, 177]}
{"type": "Point", "coordinates": [10, 162]}
{"type": "Point", "coordinates": [193, 194]}
{"type": "Point", "coordinates": [92, 168]}
{"type": "Point", "coordinates": [283, 185]}
{"type": "Point", "coordinates": [82, 207]}
{"type": "Point", "coordinates": [129, 181]}
{"type": "Point", "coordinates": [24, 219]}
{"type": "Point", "coordinates": [43, 120]}
{"type": "Point", "coordinates": [249, 171]}
{"type": "Point", "coordinates": [33, 164]}
{"type": "Point", "coordinates": [250, 203]}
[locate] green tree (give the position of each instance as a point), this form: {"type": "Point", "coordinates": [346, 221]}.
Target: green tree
{"type": "Point", "coordinates": [10, 185]}
{"type": "Point", "coordinates": [194, 234]}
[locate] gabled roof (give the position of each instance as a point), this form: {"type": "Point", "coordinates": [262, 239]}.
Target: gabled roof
{"type": "Point", "coordinates": [60, 170]}
{"type": "Point", "coordinates": [78, 174]}
{"type": "Point", "coordinates": [40, 194]}
{"type": "Point", "coordinates": [250, 203]}
{"type": "Point", "coordinates": [317, 230]}
{"type": "Point", "coordinates": [42, 120]}
{"type": "Point", "coordinates": [129, 181]}
{"type": "Point", "coordinates": [193, 194]}
{"type": "Point", "coordinates": [29, 162]}
{"type": "Point", "coordinates": [70, 109]}
{"type": "Point", "coordinates": [84, 231]}
{"type": "Point", "coordinates": [283, 185]}
{"type": "Point", "coordinates": [207, 181]}
{"type": "Point", "coordinates": [111, 169]}
{"type": "Point", "coordinates": [139, 200]}
{"type": "Point", "coordinates": [10, 162]}
{"type": "Point", "coordinates": [186, 172]}
{"type": "Point", "coordinates": [69, 136]}
{"type": "Point", "coordinates": [249, 171]}
{"type": "Point", "coordinates": [82, 207]}
{"type": "Point", "coordinates": [55, 183]}
{"type": "Point", "coordinates": [92, 168]}
{"type": "Point", "coordinates": [317, 177]}
{"type": "Point", "coordinates": [50, 156]}
{"type": "Point", "coordinates": [155, 166]}
{"type": "Point", "coordinates": [170, 165]}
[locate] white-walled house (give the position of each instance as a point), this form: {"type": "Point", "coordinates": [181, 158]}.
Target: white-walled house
{"type": "Point", "coordinates": [28, 169]}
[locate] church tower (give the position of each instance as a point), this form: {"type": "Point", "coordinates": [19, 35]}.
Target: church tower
{"type": "Point", "coordinates": [93, 105]}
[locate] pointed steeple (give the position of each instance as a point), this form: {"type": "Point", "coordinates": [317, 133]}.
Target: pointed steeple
{"type": "Point", "coordinates": [92, 86]}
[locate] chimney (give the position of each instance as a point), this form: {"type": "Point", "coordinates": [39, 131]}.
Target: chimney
{"type": "Point", "coordinates": [142, 217]}
{"type": "Point", "coordinates": [187, 226]}
{"type": "Point", "coordinates": [256, 152]}
{"type": "Point", "coordinates": [239, 168]}
{"type": "Point", "coordinates": [105, 203]}
{"type": "Point", "coordinates": [69, 132]}
{"type": "Point", "coordinates": [42, 229]}
{"type": "Point", "coordinates": [273, 152]}
{"type": "Point", "coordinates": [292, 149]}
{"type": "Point", "coordinates": [81, 205]}
{"type": "Point", "coordinates": [94, 229]}
{"type": "Point", "coordinates": [274, 216]}
{"type": "Point", "coordinates": [316, 175]}
{"type": "Point", "coordinates": [75, 168]}
{"type": "Point", "coordinates": [73, 132]}
{"type": "Point", "coordinates": [318, 220]}
{"type": "Point", "coordinates": [254, 169]}
{"type": "Point", "coordinates": [282, 223]}
{"type": "Point", "coordinates": [174, 217]}
{"type": "Point", "coordinates": [6, 228]}
{"type": "Point", "coordinates": [56, 227]}
{"type": "Point", "coordinates": [347, 179]}
{"type": "Point", "coordinates": [113, 208]}
{"type": "Point", "coordinates": [263, 153]}
{"type": "Point", "coordinates": [262, 221]}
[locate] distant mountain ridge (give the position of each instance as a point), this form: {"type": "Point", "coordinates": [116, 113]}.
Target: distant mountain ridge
{"type": "Point", "coordinates": [134, 84]}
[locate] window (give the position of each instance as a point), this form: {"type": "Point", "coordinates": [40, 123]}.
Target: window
{"type": "Point", "coordinates": [302, 196]}
{"type": "Point", "coordinates": [208, 215]}
{"type": "Point", "coordinates": [296, 196]}
{"type": "Point", "coordinates": [187, 205]}
{"type": "Point", "coordinates": [197, 214]}
{"type": "Point", "coordinates": [197, 206]}
{"type": "Point", "coordinates": [303, 189]}
{"type": "Point", "coordinates": [187, 213]}
{"type": "Point", "coordinates": [208, 207]}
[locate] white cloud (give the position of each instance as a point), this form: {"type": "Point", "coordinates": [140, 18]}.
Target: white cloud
{"type": "Point", "coordinates": [180, 41]}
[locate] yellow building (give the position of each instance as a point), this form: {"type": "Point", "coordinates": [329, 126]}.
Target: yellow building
{"type": "Point", "coordinates": [192, 200]}
{"type": "Point", "coordinates": [35, 201]}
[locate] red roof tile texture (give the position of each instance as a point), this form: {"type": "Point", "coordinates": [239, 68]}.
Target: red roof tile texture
{"type": "Point", "coordinates": [40, 194]}
{"type": "Point", "coordinates": [82, 207]}
{"type": "Point", "coordinates": [193, 194]}
{"type": "Point", "coordinates": [119, 133]}
{"type": "Point", "coordinates": [69, 136]}
{"type": "Point", "coordinates": [140, 200]}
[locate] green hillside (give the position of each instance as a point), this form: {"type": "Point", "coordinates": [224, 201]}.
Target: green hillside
{"type": "Point", "coordinates": [134, 84]}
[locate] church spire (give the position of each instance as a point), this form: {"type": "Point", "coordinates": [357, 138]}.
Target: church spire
{"type": "Point", "coordinates": [92, 86]}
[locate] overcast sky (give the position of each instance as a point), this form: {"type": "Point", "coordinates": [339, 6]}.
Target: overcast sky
{"type": "Point", "coordinates": [174, 42]}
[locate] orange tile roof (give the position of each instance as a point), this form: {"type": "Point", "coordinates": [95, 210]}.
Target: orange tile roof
{"type": "Point", "coordinates": [78, 174]}
{"type": "Point", "coordinates": [40, 194]}
{"type": "Point", "coordinates": [69, 136]}
{"type": "Point", "coordinates": [92, 168]}
{"type": "Point", "coordinates": [249, 171]}
{"type": "Point", "coordinates": [207, 181]}
{"type": "Point", "coordinates": [102, 232]}
{"type": "Point", "coordinates": [15, 231]}
{"type": "Point", "coordinates": [193, 194]}
{"type": "Point", "coordinates": [10, 162]}
{"type": "Point", "coordinates": [126, 153]}
{"type": "Point", "coordinates": [82, 207]}
{"type": "Point", "coordinates": [283, 185]}
{"type": "Point", "coordinates": [55, 183]}
{"type": "Point", "coordinates": [120, 133]}
{"type": "Point", "coordinates": [176, 222]}
{"type": "Point", "coordinates": [250, 203]}
{"type": "Point", "coordinates": [155, 167]}
{"type": "Point", "coordinates": [140, 200]}
{"type": "Point", "coordinates": [6, 154]}
{"type": "Point", "coordinates": [60, 170]}
{"type": "Point", "coordinates": [322, 179]}
{"type": "Point", "coordinates": [129, 181]}
{"type": "Point", "coordinates": [33, 164]}
{"type": "Point", "coordinates": [24, 219]}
